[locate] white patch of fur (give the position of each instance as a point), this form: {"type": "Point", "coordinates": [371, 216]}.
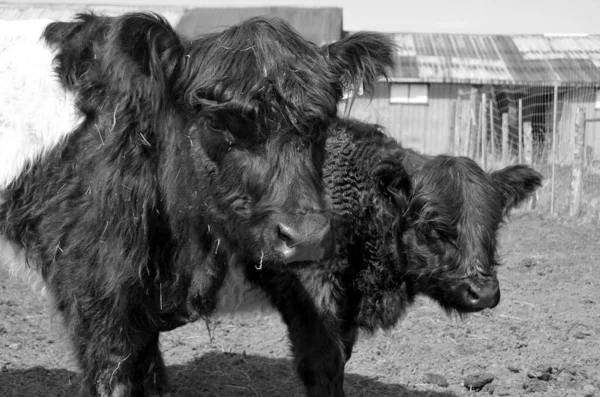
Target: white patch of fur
{"type": "Point", "coordinates": [36, 113]}
{"type": "Point", "coordinates": [237, 296]}
{"type": "Point", "coordinates": [12, 257]}
{"type": "Point", "coordinates": [320, 289]}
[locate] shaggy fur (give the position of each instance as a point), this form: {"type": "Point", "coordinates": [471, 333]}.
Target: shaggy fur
{"type": "Point", "coordinates": [189, 152]}
{"type": "Point", "coordinates": [406, 224]}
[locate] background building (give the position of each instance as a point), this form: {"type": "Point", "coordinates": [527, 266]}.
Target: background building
{"type": "Point", "coordinates": [434, 96]}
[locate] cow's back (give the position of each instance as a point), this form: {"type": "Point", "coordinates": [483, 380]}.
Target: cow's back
{"type": "Point", "coordinates": [36, 113]}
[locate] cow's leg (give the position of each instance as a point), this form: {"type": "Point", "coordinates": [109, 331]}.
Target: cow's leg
{"type": "Point", "coordinates": [348, 337]}
{"type": "Point", "coordinates": [119, 357]}
{"type": "Point", "coordinates": [314, 333]}
{"type": "Point", "coordinates": [139, 373]}
{"type": "Point", "coordinates": [106, 374]}
{"type": "Point", "coordinates": [319, 357]}
{"type": "Point", "coordinates": [153, 372]}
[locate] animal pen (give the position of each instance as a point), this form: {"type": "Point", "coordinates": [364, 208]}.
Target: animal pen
{"type": "Point", "coordinates": [501, 100]}
{"type": "Point", "coordinates": [549, 127]}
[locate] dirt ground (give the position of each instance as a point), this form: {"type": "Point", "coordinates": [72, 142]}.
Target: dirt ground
{"type": "Point", "coordinates": [547, 326]}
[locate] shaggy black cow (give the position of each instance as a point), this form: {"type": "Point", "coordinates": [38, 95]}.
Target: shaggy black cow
{"type": "Point", "coordinates": [406, 224]}
{"type": "Point", "coordinates": [134, 163]}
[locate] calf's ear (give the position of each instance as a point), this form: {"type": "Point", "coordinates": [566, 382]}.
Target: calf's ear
{"type": "Point", "coordinates": [516, 183]}
{"type": "Point", "coordinates": [359, 59]}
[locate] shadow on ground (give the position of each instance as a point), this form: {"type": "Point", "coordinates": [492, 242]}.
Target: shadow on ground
{"type": "Point", "coordinates": [211, 375]}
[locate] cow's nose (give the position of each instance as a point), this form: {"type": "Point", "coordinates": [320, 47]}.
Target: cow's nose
{"type": "Point", "coordinates": [310, 240]}
{"type": "Point", "coordinates": [287, 234]}
{"type": "Point", "coordinates": [481, 295]}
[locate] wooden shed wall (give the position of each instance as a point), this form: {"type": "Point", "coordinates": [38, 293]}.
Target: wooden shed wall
{"type": "Point", "coordinates": [428, 127]}
{"type": "Point", "coordinates": [569, 101]}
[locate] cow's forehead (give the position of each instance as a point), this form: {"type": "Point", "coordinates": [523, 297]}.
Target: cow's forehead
{"type": "Point", "coordinates": [266, 71]}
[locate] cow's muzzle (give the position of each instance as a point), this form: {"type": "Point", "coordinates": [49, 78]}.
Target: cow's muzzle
{"type": "Point", "coordinates": [478, 294]}
{"type": "Point", "coordinates": [308, 238]}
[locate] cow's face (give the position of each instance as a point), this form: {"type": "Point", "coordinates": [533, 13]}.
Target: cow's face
{"type": "Point", "coordinates": [263, 98]}
{"type": "Point", "coordinates": [452, 221]}
{"type": "Point", "coordinates": [267, 193]}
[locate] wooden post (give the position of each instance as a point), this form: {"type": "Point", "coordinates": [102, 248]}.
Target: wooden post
{"type": "Point", "coordinates": [457, 126]}
{"type": "Point", "coordinates": [483, 131]}
{"type": "Point", "coordinates": [472, 137]}
{"type": "Point", "coordinates": [505, 153]}
{"type": "Point", "coordinates": [520, 130]}
{"type": "Point", "coordinates": [492, 131]}
{"type": "Point", "coordinates": [477, 142]}
{"type": "Point", "coordinates": [578, 157]}
{"type": "Point", "coordinates": [528, 142]}
{"type": "Point", "coordinates": [554, 116]}
{"type": "Point", "coordinates": [528, 152]}
{"type": "Point", "coordinates": [464, 128]}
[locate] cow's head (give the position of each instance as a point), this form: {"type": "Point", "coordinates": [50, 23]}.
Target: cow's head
{"type": "Point", "coordinates": [240, 119]}
{"type": "Point", "coordinates": [450, 229]}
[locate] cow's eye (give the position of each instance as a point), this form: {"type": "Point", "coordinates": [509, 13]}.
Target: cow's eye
{"type": "Point", "coordinates": [216, 124]}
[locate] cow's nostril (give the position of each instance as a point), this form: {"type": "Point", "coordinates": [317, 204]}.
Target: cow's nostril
{"type": "Point", "coordinates": [472, 294]}
{"type": "Point", "coordinates": [310, 239]}
{"type": "Point", "coordinates": [286, 234]}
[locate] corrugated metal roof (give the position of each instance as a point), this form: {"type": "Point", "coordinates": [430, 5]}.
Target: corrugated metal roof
{"type": "Point", "coordinates": [65, 12]}
{"type": "Point", "coordinates": [495, 59]}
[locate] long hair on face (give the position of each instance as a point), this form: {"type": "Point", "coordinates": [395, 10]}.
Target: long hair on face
{"type": "Point", "coordinates": [263, 69]}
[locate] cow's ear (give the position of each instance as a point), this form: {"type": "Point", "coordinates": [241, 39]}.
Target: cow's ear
{"type": "Point", "coordinates": [359, 59]}
{"type": "Point", "coordinates": [146, 44]}
{"type": "Point", "coordinates": [59, 32]}
{"type": "Point", "coordinates": [516, 183]}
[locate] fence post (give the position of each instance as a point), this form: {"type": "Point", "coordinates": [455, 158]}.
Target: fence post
{"type": "Point", "coordinates": [457, 125]}
{"type": "Point", "coordinates": [528, 142]}
{"type": "Point", "coordinates": [520, 130]}
{"type": "Point", "coordinates": [505, 154]}
{"type": "Point", "coordinates": [528, 152]}
{"type": "Point", "coordinates": [472, 137]}
{"type": "Point", "coordinates": [483, 132]}
{"type": "Point", "coordinates": [464, 127]}
{"type": "Point", "coordinates": [554, 119]}
{"type": "Point", "coordinates": [578, 157]}
{"type": "Point", "coordinates": [492, 130]}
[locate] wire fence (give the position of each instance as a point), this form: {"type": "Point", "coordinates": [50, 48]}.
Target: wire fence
{"type": "Point", "coordinates": [554, 129]}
